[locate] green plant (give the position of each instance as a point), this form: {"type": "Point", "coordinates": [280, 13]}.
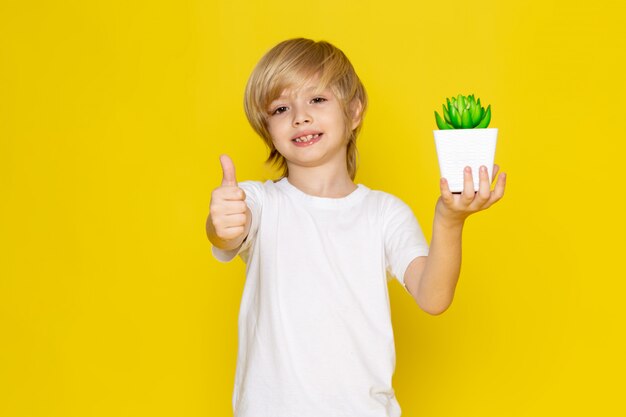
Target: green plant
{"type": "Point", "coordinates": [463, 113]}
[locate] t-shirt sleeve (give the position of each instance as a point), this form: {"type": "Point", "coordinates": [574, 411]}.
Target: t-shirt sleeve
{"type": "Point", "coordinates": [403, 237]}
{"type": "Point", "coordinates": [254, 199]}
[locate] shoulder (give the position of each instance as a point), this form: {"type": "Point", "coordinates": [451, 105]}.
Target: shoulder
{"type": "Point", "coordinates": [257, 187]}
{"type": "Point", "coordinates": [392, 212]}
{"type": "Point", "coordinates": [386, 201]}
{"type": "Point", "coordinates": [260, 193]}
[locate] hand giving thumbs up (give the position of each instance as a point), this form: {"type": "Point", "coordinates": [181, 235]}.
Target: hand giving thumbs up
{"type": "Point", "coordinates": [228, 213]}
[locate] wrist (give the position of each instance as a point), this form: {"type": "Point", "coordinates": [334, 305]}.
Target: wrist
{"type": "Point", "coordinates": [447, 219]}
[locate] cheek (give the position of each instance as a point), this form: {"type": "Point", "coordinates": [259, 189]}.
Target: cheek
{"type": "Point", "coordinates": [272, 132]}
{"type": "Point", "coordinates": [275, 128]}
{"type": "Point", "coordinates": [279, 145]}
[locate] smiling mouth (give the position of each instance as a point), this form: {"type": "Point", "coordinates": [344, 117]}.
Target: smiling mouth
{"type": "Point", "coordinates": [307, 138]}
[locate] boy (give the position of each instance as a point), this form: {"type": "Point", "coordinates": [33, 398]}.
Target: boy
{"type": "Point", "coordinates": [315, 336]}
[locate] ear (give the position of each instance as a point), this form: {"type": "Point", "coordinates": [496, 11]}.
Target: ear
{"type": "Point", "coordinates": [356, 108]}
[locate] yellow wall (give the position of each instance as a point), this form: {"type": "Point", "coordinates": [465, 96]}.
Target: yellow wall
{"type": "Point", "coordinates": [112, 117]}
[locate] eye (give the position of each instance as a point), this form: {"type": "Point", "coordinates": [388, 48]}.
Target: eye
{"type": "Point", "coordinates": [279, 110]}
{"type": "Point", "coordinates": [318, 100]}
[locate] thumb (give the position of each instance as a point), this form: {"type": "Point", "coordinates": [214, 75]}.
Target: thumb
{"type": "Point", "coordinates": [228, 171]}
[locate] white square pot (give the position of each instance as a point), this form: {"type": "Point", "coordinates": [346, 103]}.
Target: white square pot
{"type": "Point", "coordinates": [458, 148]}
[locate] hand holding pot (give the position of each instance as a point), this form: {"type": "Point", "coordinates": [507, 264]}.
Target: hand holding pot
{"type": "Point", "coordinates": [454, 208]}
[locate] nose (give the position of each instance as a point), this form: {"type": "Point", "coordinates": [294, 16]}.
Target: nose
{"type": "Point", "coordinates": [301, 116]}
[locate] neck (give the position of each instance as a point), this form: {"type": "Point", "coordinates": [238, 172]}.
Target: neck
{"type": "Point", "coordinates": [322, 181]}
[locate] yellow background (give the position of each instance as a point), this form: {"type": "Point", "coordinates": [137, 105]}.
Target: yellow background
{"type": "Point", "coordinates": [112, 118]}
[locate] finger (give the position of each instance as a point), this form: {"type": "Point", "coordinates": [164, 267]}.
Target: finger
{"type": "Point", "coordinates": [225, 209]}
{"type": "Point", "coordinates": [446, 194]}
{"type": "Point", "coordinates": [484, 188]}
{"type": "Point", "coordinates": [234, 220]}
{"type": "Point", "coordinates": [228, 171]}
{"type": "Point", "coordinates": [222, 195]}
{"type": "Point", "coordinates": [494, 172]}
{"type": "Point", "coordinates": [232, 194]}
{"type": "Point", "coordinates": [229, 233]}
{"type": "Point", "coordinates": [234, 207]}
{"type": "Point", "coordinates": [498, 192]}
{"type": "Point", "coordinates": [468, 185]}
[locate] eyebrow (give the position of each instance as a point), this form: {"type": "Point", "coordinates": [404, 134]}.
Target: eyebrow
{"type": "Point", "coordinates": [306, 90]}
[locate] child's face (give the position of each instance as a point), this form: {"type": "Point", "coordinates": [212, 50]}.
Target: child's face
{"type": "Point", "coordinates": [308, 129]}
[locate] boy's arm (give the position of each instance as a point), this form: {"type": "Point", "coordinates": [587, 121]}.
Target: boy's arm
{"type": "Point", "coordinates": [432, 280]}
{"type": "Point", "coordinates": [229, 218]}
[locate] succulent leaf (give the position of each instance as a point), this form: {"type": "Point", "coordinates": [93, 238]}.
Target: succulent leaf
{"type": "Point", "coordinates": [441, 124]}
{"type": "Point", "coordinates": [466, 120]}
{"type": "Point", "coordinates": [476, 116]}
{"type": "Point", "coordinates": [446, 115]}
{"type": "Point", "coordinates": [461, 101]}
{"type": "Point", "coordinates": [455, 118]}
{"type": "Point", "coordinates": [486, 119]}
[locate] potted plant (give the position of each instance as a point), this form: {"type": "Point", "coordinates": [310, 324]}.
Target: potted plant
{"type": "Point", "coordinates": [463, 139]}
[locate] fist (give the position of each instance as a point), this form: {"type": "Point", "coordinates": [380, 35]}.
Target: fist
{"type": "Point", "coordinates": [228, 208]}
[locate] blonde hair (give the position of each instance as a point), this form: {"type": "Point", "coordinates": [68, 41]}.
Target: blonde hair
{"type": "Point", "coordinates": [287, 65]}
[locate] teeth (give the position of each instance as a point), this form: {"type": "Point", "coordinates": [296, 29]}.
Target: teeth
{"type": "Point", "coordinates": [306, 138]}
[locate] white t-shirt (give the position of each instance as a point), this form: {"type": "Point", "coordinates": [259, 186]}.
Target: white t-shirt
{"type": "Point", "coordinates": [315, 335]}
